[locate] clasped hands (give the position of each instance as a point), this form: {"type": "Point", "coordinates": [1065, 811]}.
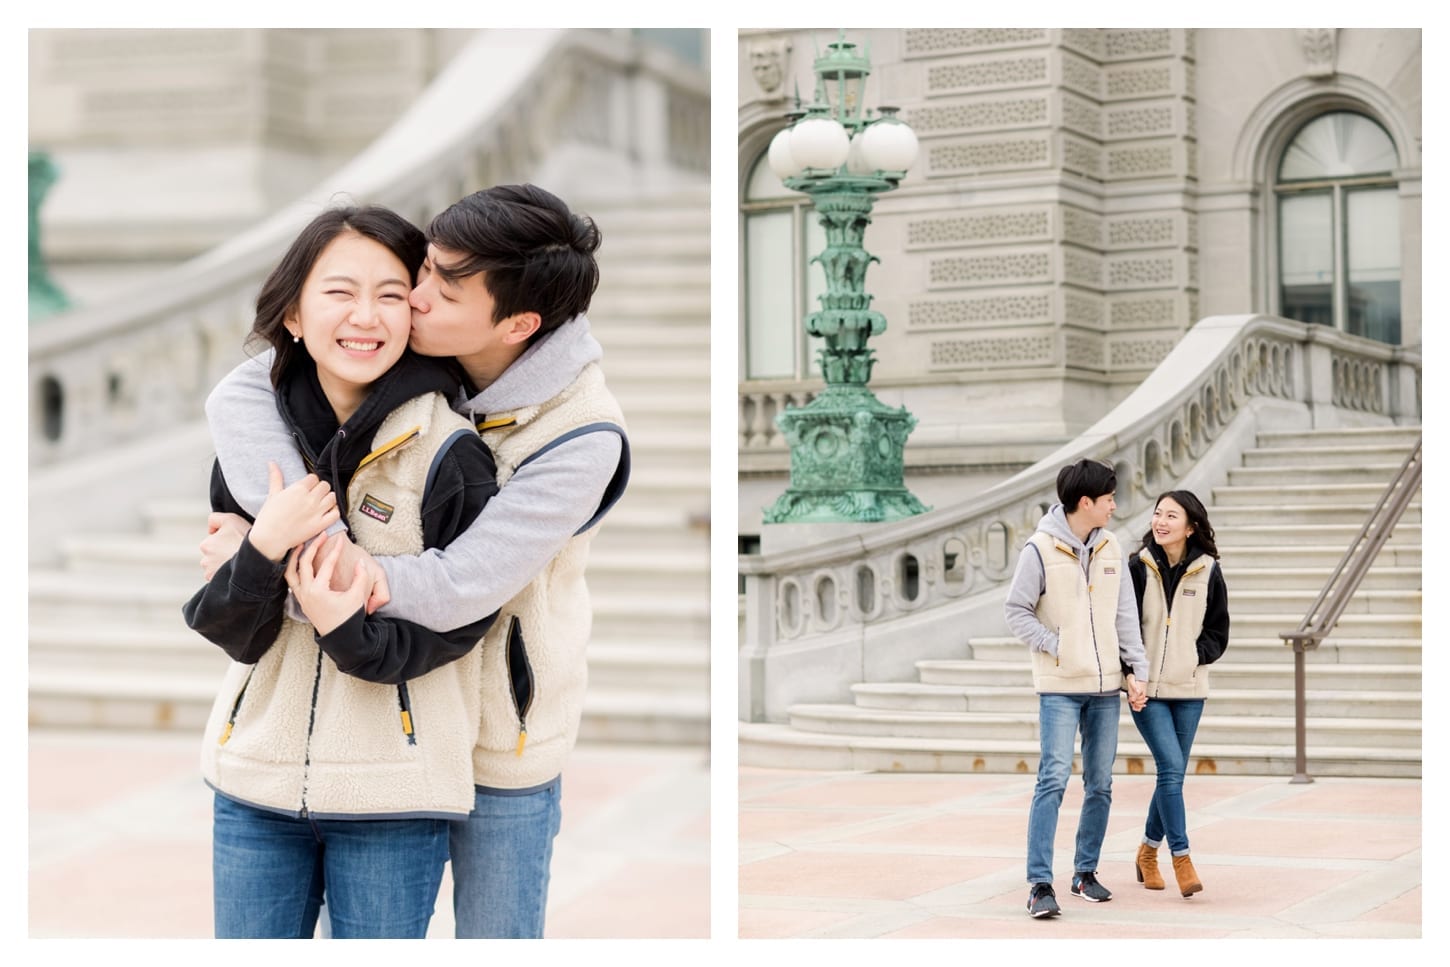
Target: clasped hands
{"type": "Point", "coordinates": [331, 577]}
{"type": "Point", "coordinates": [1137, 693]}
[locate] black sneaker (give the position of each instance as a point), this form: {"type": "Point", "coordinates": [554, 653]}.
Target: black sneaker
{"type": "Point", "coordinates": [1042, 902]}
{"type": "Point", "coordinates": [1086, 885]}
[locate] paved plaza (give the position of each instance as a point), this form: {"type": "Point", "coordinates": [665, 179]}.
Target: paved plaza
{"type": "Point", "coordinates": [120, 841]}
{"type": "Point", "coordinates": [857, 855]}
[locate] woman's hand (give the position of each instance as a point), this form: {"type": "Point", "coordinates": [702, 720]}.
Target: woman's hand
{"type": "Point", "coordinates": [292, 514]}
{"type": "Point", "coordinates": [312, 581]}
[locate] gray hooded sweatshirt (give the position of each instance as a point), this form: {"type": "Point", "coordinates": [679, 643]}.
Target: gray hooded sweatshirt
{"type": "Point", "coordinates": [1028, 584]}
{"type": "Point", "coordinates": [533, 516]}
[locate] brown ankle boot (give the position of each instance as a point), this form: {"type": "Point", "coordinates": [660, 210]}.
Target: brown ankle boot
{"type": "Point", "coordinates": [1147, 863]}
{"type": "Point", "coordinates": [1187, 876]}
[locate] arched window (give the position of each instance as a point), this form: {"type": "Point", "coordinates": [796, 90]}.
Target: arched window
{"type": "Point", "coordinates": [1339, 227]}
{"type": "Point", "coordinates": [779, 235]}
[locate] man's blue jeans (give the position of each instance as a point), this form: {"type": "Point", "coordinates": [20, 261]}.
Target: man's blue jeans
{"type": "Point", "coordinates": [1168, 726]}
{"type": "Point", "coordinates": [270, 871]}
{"type": "Point", "coordinates": [1060, 718]}
{"type": "Point", "coordinates": [500, 857]}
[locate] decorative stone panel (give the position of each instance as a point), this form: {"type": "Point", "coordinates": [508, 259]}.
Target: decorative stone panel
{"type": "Point", "coordinates": [968, 76]}
{"type": "Point", "coordinates": [1138, 272]}
{"type": "Point", "coordinates": [1081, 76]}
{"type": "Point", "coordinates": [1082, 157]}
{"type": "Point", "coordinates": [1155, 120]}
{"type": "Point", "coordinates": [1081, 115]}
{"type": "Point", "coordinates": [1142, 312]}
{"type": "Point", "coordinates": [1082, 309]}
{"type": "Point", "coordinates": [1081, 227]}
{"type": "Point", "coordinates": [1138, 353]}
{"type": "Point", "coordinates": [1141, 231]}
{"type": "Point", "coordinates": [1192, 231]}
{"type": "Point", "coordinates": [1083, 350]}
{"type": "Point", "coordinates": [1035, 307]}
{"type": "Point", "coordinates": [935, 42]}
{"type": "Point", "coordinates": [1000, 351]}
{"type": "Point", "coordinates": [987, 227]}
{"type": "Point", "coordinates": [1082, 268]}
{"type": "Point", "coordinates": [1190, 119]}
{"type": "Point", "coordinates": [980, 115]}
{"type": "Point", "coordinates": [1009, 269]}
{"type": "Point", "coordinates": [1138, 80]}
{"type": "Point", "coordinates": [965, 157]}
{"type": "Point", "coordinates": [1085, 40]}
{"type": "Point", "coordinates": [1142, 161]}
{"type": "Point", "coordinates": [1138, 43]}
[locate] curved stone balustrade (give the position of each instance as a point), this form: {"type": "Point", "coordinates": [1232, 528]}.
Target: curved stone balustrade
{"type": "Point", "coordinates": [115, 373]}
{"type": "Point", "coordinates": [866, 606]}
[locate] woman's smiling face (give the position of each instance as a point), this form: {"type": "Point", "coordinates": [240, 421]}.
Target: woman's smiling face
{"type": "Point", "coordinates": [1171, 529]}
{"type": "Point", "coordinates": [353, 317]}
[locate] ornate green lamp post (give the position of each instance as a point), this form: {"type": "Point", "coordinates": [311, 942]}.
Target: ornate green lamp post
{"type": "Point", "coordinates": [845, 445]}
{"type": "Point", "coordinates": [45, 296]}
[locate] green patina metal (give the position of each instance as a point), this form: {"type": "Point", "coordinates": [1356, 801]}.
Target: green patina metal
{"type": "Point", "coordinates": [46, 298]}
{"type": "Point", "coordinates": [846, 446]}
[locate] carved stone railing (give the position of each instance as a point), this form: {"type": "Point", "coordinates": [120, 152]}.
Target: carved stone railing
{"type": "Point", "coordinates": [865, 603]}
{"type": "Point", "coordinates": [760, 404]}
{"type": "Point", "coordinates": [142, 363]}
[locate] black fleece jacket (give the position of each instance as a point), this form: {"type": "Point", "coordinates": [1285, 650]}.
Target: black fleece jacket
{"type": "Point", "coordinates": [242, 606]}
{"type": "Point", "coordinates": [1213, 636]}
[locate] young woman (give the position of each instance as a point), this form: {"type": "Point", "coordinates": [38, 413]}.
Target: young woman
{"type": "Point", "coordinates": [340, 743]}
{"type": "Point", "coordinates": [1175, 573]}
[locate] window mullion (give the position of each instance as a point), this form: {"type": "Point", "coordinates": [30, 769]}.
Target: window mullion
{"type": "Point", "coordinates": [1341, 263]}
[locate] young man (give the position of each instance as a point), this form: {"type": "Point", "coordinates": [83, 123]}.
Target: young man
{"type": "Point", "coordinates": [509, 274]}
{"type": "Point", "coordinates": [1070, 603]}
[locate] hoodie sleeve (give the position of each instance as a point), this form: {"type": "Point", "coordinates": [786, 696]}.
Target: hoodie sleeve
{"type": "Point", "coordinates": [248, 431]}
{"type": "Point", "coordinates": [1130, 631]}
{"type": "Point", "coordinates": [1213, 639]}
{"type": "Point", "coordinates": [1028, 583]}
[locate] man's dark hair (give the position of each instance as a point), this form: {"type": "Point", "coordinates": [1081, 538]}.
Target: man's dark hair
{"type": "Point", "coordinates": [535, 254]}
{"type": "Point", "coordinates": [1087, 478]}
{"type": "Point", "coordinates": [279, 294]}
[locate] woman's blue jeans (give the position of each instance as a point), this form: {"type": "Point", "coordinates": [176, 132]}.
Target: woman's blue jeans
{"type": "Point", "coordinates": [1168, 726]}
{"type": "Point", "coordinates": [270, 872]}
{"type": "Point", "coordinates": [1060, 718]}
{"type": "Point", "coordinates": [500, 858]}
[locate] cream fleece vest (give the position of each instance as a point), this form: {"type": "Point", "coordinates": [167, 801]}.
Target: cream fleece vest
{"type": "Point", "coordinates": [1171, 637]}
{"type": "Point", "coordinates": [534, 663]}
{"type": "Point", "coordinates": [292, 732]}
{"type": "Point", "coordinates": [1083, 611]}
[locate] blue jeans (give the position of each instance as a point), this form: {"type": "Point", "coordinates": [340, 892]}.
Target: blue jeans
{"type": "Point", "coordinates": [1060, 718]}
{"type": "Point", "coordinates": [269, 873]}
{"type": "Point", "coordinates": [1168, 726]}
{"type": "Point", "coordinates": [500, 857]}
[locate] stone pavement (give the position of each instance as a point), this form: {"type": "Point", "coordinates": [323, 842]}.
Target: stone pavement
{"type": "Point", "coordinates": [856, 855]}
{"type": "Point", "coordinates": [120, 841]}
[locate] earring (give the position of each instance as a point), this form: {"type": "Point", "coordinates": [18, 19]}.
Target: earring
{"type": "Point", "coordinates": [296, 338]}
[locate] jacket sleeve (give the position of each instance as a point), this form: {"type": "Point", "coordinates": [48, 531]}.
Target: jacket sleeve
{"type": "Point", "coordinates": [1213, 639]}
{"type": "Point", "coordinates": [1021, 608]}
{"type": "Point", "coordinates": [389, 650]}
{"type": "Point", "coordinates": [241, 608]}
{"type": "Point", "coordinates": [1130, 631]}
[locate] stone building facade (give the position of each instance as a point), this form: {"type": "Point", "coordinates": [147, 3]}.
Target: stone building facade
{"type": "Point", "coordinates": [1082, 197]}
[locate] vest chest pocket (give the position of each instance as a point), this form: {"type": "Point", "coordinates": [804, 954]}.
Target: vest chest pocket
{"type": "Point", "coordinates": [521, 677]}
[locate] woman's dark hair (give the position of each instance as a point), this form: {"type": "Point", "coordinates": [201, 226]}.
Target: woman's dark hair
{"type": "Point", "coordinates": [283, 287]}
{"type": "Point", "coordinates": [535, 254]}
{"type": "Point", "coordinates": [1197, 519]}
{"type": "Point", "coordinates": [1087, 478]}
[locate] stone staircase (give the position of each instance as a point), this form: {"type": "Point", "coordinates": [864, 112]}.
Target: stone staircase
{"type": "Point", "coordinates": [1283, 521]}
{"type": "Point", "coordinates": [108, 646]}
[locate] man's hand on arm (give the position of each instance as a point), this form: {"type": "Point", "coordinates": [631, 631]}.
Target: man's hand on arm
{"type": "Point", "coordinates": [328, 598]}
{"type": "Point", "coordinates": [350, 557]}
{"type": "Point", "coordinates": [224, 534]}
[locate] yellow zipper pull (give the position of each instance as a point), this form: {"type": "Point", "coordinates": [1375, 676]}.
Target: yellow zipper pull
{"type": "Point", "coordinates": [226, 734]}
{"type": "Point", "coordinates": [407, 722]}
{"type": "Point", "coordinates": [523, 736]}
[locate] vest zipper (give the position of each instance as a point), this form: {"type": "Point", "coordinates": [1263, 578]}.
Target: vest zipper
{"type": "Point", "coordinates": [520, 678]}
{"type": "Point", "coordinates": [311, 720]}
{"type": "Point", "coordinates": [236, 707]}
{"type": "Point", "coordinates": [405, 711]}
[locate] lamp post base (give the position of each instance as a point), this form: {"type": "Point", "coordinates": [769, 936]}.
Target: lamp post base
{"type": "Point", "coordinates": [845, 461]}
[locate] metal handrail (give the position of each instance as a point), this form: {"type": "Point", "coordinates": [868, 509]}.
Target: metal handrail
{"type": "Point", "coordinates": [1324, 613]}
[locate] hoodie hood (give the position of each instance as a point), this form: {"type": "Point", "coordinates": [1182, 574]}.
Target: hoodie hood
{"type": "Point", "coordinates": [1190, 553]}
{"type": "Point", "coordinates": [544, 370]}
{"type": "Point", "coordinates": [1054, 522]}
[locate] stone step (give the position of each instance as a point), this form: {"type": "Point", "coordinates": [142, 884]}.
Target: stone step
{"type": "Point", "coordinates": [1379, 474]}
{"type": "Point", "coordinates": [997, 726]}
{"type": "Point", "coordinates": [1403, 437]}
{"type": "Point", "coordinates": [1322, 457]}
{"type": "Point", "coordinates": [1285, 536]}
{"type": "Point", "coordinates": [88, 646]}
{"type": "Point", "coordinates": [916, 697]}
{"type": "Point", "coordinates": [1313, 514]}
{"type": "Point", "coordinates": [623, 275]}
{"type": "Point", "coordinates": [658, 249]}
{"type": "Point", "coordinates": [664, 667]}
{"type": "Point", "coordinates": [1321, 670]}
{"type": "Point", "coordinates": [115, 598]}
{"type": "Point", "coordinates": [1350, 625]}
{"type": "Point", "coordinates": [648, 616]}
{"type": "Point", "coordinates": [1384, 578]}
{"type": "Point", "coordinates": [1338, 648]}
{"type": "Point", "coordinates": [1295, 495]}
{"type": "Point", "coordinates": [1246, 601]}
{"type": "Point", "coordinates": [674, 572]}
{"type": "Point", "coordinates": [1316, 555]}
{"type": "Point", "coordinates": [685, 307]}
{"type": "Point", "coordinates": [779, 746]}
